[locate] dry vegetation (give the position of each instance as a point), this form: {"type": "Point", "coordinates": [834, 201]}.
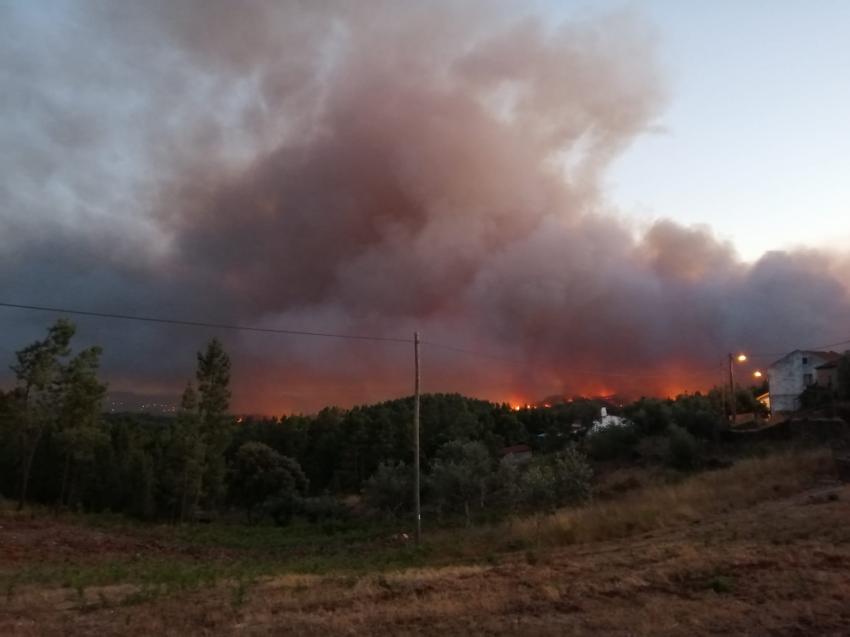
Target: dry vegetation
{"type": "Point", "coordinates": [762, 548]}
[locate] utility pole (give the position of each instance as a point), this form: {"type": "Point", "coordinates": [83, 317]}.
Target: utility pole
{"type": "Point", "coordinates": [733, 399]}
{"type": "Point", "coordinates": [416, 502]}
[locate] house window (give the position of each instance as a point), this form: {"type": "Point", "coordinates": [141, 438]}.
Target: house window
{"type": "Point", "coordinates": [807, 379]}
{"type": "Point", "coordinates": [805, 360]}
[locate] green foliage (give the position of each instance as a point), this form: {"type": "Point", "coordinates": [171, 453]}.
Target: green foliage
{"type": "Point", "coordinates": [78, 423]}
{"type": "Point", "coordinates": [554, 481]}
{"type": "Point", "coordinates": [39, 373]}
{"type": "Point", "coordinates": [459, 476]}
{"type": "Point", "coordinates": [612, 443]}
{"type": "Point", "coordinates": [683, 452]}
{"type": "Point", "coordinates": [263, 480]}
{"type": "Point", "coordinates": [573, 475]}
{"type": "Point", "coordinates": [390, 489]}
{"type": "Point", "coordinates": [324, 509]}
{"type": "Point", "coordinates": [213, 376]}
{"type": "Point", "coordinates": [699, 414]}
{"type": "Point", "coordinates": [651, 416]}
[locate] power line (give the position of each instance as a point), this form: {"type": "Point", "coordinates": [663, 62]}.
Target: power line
{"type": "Point", "coordinates": [221, 326]}
{"type": "Point", "coordinates": [363, 337]}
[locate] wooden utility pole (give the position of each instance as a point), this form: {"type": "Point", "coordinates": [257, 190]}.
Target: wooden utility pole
{"type": "Point", "coordinates": [416, 502]}
{"type": "Point", "coordinates": [733, 399]}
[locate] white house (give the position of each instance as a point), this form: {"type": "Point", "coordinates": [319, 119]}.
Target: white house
{"type": "Point", "coordinates": [791, 374]}
{"type": "Point", "coordinates": [606, 421]}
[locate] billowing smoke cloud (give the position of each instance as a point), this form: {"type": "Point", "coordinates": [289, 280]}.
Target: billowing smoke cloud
{"type": "Point", "coordinates": [366, 168]}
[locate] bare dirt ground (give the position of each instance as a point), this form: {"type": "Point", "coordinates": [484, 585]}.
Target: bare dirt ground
{"type": "Point", "coordinates": [779, 568]}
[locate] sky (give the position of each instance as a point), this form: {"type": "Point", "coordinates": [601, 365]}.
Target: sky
{"type": "Point", "coordinates": [755, 140]}
{"type": "Point", "coordinates": [590, 197]}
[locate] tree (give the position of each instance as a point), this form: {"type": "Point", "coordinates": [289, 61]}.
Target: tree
{"type": "Point", "coordinates": [81, 396]}
{"type": "Point", "coordinates": [38, 372]}
{"type": "Point", "coordinates": [459, 475]}
{"type": "Point", "coordinates": [572, 476]}
{"type": "Point", "coordinates": [390, 488]}
{"type": "Point", "coordinates": [213, 376]}
{"type": "Point", "coordinates": [615, 442]}
{"type": "Point", "coordinates": [261, 479]}
{"type": "Point", "coordinates": [651, 416]}
{"type": "Point", "coordinates": [188, 449]}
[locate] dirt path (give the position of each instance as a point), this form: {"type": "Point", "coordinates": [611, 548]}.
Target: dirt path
{"type": "Point", "coordinates": [781, 568]}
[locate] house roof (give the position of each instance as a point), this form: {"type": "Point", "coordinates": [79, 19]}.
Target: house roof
{"type": "Point", "coordinates": [827, 356]}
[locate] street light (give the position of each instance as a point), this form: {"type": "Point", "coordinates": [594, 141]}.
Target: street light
{"type": "Point", "coordinates": [733, 400]}
{"type": "Point", "coordinates": [757, 374]}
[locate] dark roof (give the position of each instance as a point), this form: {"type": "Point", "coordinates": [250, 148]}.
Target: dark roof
{"type": "Point", "coordinates": [829, 365]}
{"type": "Point", "coordinates": [828, 356]}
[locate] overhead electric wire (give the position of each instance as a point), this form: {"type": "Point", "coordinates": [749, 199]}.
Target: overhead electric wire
{"type": "Point", "coordinates": [358, 337]}
{"type": "Point", "coordinates": [193, 323]}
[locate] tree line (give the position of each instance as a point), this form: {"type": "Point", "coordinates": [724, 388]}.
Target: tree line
{"type": "Point", "coordinates": [60, 449]}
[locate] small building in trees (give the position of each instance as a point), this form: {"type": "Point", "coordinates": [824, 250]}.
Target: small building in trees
{"type": "Point", "coordinates": [789, 377]}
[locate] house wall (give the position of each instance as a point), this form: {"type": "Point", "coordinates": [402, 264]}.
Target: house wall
{"type": "Point", "coordinates": [787, 379]}
{"type": "Point", "coordinates": [827, 377]}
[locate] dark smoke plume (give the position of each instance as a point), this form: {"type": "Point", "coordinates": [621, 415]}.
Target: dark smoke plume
{"type": "Point", "coordinates": [370, 168]}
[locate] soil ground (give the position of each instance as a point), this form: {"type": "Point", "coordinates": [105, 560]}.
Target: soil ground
{"type": "Point", "coordinates": [781, 567]}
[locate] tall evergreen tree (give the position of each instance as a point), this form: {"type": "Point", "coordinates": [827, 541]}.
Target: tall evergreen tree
{"type": "Point", "coordinates": [38, 372]}
{"type": "Point", "coordinates": [81, 396]}
{"type": "Point", "coordinates": [188, 455]}
{"type": "Point", "coordinates": [213, 376]}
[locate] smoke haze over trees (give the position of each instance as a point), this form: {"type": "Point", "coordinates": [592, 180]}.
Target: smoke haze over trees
{"type": "Point", "coordinates": [366, 168]}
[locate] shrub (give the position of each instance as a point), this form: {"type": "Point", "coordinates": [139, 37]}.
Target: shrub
{"type": "Point", "coordinates": [390, 488]}
{"type": "Point", "coordinates": [572, 476]}
{"type": "Point", "coordinates": [563, 479]}
{"type": "Point", "coordinates": [323, 509]}
{"type": "Point", "coordinates": [612, 443]}
{"type": "Point", "coordinates": [262, 480]}
{"type": "Point", "coordinates": [651, 416]}
{"type": "Point", "coordinates": [683, 451]}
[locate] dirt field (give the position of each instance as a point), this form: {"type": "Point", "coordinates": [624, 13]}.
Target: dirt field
{"type": "Point", "coordinates": [781, 567]}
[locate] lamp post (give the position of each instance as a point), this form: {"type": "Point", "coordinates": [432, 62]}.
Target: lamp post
{"type": "Point", "coordinates": [733, 399]}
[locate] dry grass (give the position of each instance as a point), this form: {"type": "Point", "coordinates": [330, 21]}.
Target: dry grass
{"type": "Point", "coordinates": [656, 507]}
{"type": "Point", "coordinates": [769, 555]}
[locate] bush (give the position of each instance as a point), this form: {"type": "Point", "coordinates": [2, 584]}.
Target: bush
{"type": "Point", "coordinates": [572, 476]}
{"type": "Point", "coordinates": [612, 443]}
{"type": "Point", "coordinates": [390, 489]}
{"type": "Point", "coordinates": [651, 416]}
{"type": "Point", "coordinates": [563, 479]}
{"type": "Point", "coordinates": [323, 509]}
{"type": "Point", "coordinates": [264, 481]}
{"type": "Point", "coordinates": [698, 414]}
{"type": "Point", "coordinates": [683, 450]}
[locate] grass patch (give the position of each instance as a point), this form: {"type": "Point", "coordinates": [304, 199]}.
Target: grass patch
{"type": "Point", "coordinates": [747, 482]}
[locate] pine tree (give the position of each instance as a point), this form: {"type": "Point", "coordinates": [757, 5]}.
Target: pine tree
{"type": "Point", "coordinates": [81, 397]}
{"type": "Point", "coordinates": [213, 376]}
{"type": "Point", "coordinates": [38, 372]}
